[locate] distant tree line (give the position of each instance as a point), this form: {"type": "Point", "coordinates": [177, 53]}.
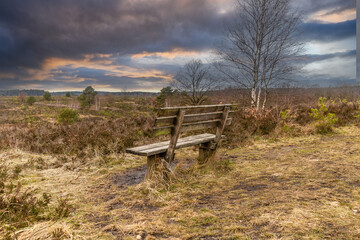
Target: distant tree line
{"type": "Point", "coordinates": [16, 92]}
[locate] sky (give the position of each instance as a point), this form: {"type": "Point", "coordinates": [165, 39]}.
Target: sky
{"type": "Point", "coordinates": [139, 45]}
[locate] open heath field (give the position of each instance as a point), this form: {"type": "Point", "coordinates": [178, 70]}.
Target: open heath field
{"type": "Point", "coordinates": [289, 172]}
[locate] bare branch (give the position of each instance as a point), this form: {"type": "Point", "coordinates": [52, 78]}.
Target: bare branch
{"type": "Point", "coordinates": [260, 46]}
{"type": "Point", "coordinates": [195, 80]}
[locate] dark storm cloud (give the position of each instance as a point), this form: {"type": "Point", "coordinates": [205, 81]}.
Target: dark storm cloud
{"type": "Point", "coordinates": [32, 30]}
{"type": "Point", "coordinates": [316, 80]}
{"type": "Point", "coordinates": [306, 59]}
{"type": "Point", "coordinates": [310, 58]}
{"type": "Point", "coordinates": [330, 31]}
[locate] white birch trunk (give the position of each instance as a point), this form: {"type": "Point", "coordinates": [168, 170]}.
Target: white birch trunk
{"type": "Point", "coordinates": [253, 97]}
{"type": "Point", "coordinates": [258, 98]}
{"type": "Point", "coordinates": [265, 100]}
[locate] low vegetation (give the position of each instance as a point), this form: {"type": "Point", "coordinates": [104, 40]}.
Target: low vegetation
{"type": "Point", "coordinates": [287, 172]}
{"type": "Point", "coordinates": [324, 120]}
{"type": "Point", "coordinates": [68, 116]}
{"type": "Point", "coordinates": [47, 96]}
{"type": "Point", "coordinates": [31, 100]}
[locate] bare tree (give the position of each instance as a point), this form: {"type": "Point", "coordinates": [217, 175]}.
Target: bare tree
{"type": "Point", "coordinates": [261, 46]}
{"type": "Point", "coordinates": [194, 81]}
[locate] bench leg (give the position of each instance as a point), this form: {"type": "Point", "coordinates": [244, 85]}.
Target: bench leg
{"type": "Point", "coordinates": [154, 165]}
{"type": "Point", "coordinates": [206, 151]}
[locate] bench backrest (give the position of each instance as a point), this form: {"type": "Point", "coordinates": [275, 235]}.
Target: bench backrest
{"type": "Point", "coordinates": [195, 118]}
{"type": "Point", "coordinates": [175, 120]}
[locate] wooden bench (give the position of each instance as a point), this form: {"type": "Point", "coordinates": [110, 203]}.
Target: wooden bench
{"type": "Point", "coordinates": [177, 120]}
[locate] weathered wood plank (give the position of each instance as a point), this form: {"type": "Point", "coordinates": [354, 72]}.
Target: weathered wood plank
{"type": "Point", "coordinates": [198, 106]}
{"type": "Point", "coordinates": [152, 164]}
{"type": "Point", "coordinates": [164, 121]}
{"type": "Point", "coordinates": [152, 149]}
{"type": "Point", "coordinates": [221, 126]}
{"type": "Point", "coordinates": [163, 127]}
{"type": "Point", "coordinates": [174, 136]}
{"type": "Point", "coordinates": [171, 111]}
{"type": "Point", "coordinates": [193, 118]}
{"type": "Point", "coordinates": [149, 146]}
{"type": "Point", "coordinates": [205, 152]}
{"type": "Point", "coordinates": [166, 143]}
{"type": "Point", "coordinates": [186, 127]}
{"type": "Point", "coordinates": [189, 118]}
{"type": "Point", "coordinates": [203, 125]}
{"type": "Point", "coordinates": [189, 143]}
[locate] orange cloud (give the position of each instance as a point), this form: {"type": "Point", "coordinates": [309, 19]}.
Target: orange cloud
{"type": "Point", "coordinates": [177, 52]}
{"type": "Point", "coordinates": [327, 16]}
{"type": "Point", "coordinates": [7, 75]}
{"type": "Point", "coordinates": [50, 69]}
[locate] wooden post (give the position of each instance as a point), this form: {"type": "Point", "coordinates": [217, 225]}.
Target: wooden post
{"type": "Point", "coordinates": [207, 150]}
{"type": "Point", "coordinates": [221, 126]}
{"type": "Point", "coordinates": [153, 163]}
{"type": "Point", "coordinates": [175, 133]}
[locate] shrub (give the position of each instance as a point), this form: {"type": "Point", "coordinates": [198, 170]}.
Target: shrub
{"type": "Point", "coordinates": [285, 115]}
{"type": "Point", "coordinates": [249, 122]}
{"type": "Point", "coordinates": [22, 97]}
{"type": "Point", "coordinates": [67, 94]}
{"type": "Point", "coordinates": [61, 209]}
{"type": "Point", "coordinates": [18, 207]}
{"type": "Point", "coordinates": [86, 138]}
{"type": "Point", "coordinates": [263, 121]}
{"type": "Point", "coordinates": [165, 93]}
{"type": "Point", "coordinates": [324, 122]}
{"type": "Point", "coordinates": [68, 116]}
{"type": "Point", "coordinates": [344, 111]}
{"type": "Point", "coordinates": [285, 123]}
{"type": "Point", "coordinates": [30, 100]}
{"type": "Point", "coordinates": [47, 96]}
{"type": "Point", "coordinates": [87, 97]}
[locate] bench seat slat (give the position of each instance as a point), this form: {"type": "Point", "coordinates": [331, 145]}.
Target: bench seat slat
{"type": "Point", "coordinates": [185, 143]}
{"type": "Point", "coordinates": [157, 148]}
{"type": "Point", "coordinates": [160, 144]}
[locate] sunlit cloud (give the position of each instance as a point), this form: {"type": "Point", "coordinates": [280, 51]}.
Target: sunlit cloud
{"type": "Point", "coordinates": [317, 47]}
{"type": "Point", "coordinates": [7, 75]}
{"type": "Point", "coordinates": [335, 67]}
{"type": "Point", "coordinates": [331, 16]}
{"type": "Point", "coordinates": [52, 68]}
{"type": "Point", "coordinates": [177, 52]}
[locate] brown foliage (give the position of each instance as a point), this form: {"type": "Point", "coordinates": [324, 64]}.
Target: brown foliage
{"type": "Point", "coordinates": [84, 138]}
{"type": "Point", "coordinates": [247, 122]}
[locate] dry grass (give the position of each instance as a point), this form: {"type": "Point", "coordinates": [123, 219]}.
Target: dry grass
{"type": "Point", "coordinates": [284, 182]}
{"type": "Point", "coordinates": [293, 188]}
